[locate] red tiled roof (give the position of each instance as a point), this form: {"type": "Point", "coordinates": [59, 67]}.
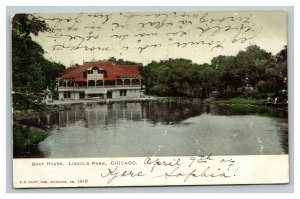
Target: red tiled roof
{"type": "Point", "coordinates": [113, 72]}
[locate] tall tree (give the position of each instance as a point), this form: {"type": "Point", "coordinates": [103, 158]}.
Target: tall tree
{"type": "Point", "coordinates": [173, 77]}
{"type": "Point", "coordinates": [30, 70]}
{"type": "Point", "coordinates": [253, 73]}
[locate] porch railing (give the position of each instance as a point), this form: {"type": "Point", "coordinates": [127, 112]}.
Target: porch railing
{"type": "Point", "coordinates": [93, 87]}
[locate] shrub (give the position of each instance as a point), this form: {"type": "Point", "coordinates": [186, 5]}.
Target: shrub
{"type": "Point", "coordinates": [25, 139]}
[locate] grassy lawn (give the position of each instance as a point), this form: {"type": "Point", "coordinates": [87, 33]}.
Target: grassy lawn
{"type": "Point", "coordinates": [240, 100]}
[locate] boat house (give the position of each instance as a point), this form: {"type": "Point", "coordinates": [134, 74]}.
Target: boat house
{"type": "Point", "coordinates": [99, 80]}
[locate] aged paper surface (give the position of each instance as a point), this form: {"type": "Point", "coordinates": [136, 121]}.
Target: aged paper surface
{"type": "Point", "coordinates": [150, 99]}
{"type": "Point", "coordinates": [152, 171]}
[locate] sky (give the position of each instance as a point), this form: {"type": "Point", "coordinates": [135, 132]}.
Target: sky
{"type": "Point", "coordinates": [74, 38]}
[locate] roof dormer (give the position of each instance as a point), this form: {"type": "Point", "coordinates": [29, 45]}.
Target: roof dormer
{"type": "Point", "coordinates": [95, 72]}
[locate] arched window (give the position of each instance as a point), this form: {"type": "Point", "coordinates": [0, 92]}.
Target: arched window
{"type": "Point", "coordinates": [127, 82]}
{"type": "Point", "coordinates": [135, 82]}
{"type": "Point", "coordinates": [119, 82]}
{"type": "Point", "coordinates": [81, 83]}
{"type": "Point", "coordinates": [70, 83]}
{"type": "Point", "coordinates": [62, 83]}
{"type": "Point", "coordinates": [91, 83]}
{"type": "Point", "coordinates": [99, 83]}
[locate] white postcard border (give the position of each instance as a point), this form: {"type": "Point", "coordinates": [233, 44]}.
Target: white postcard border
{"type": "Point", "coordinates": [150, 171]}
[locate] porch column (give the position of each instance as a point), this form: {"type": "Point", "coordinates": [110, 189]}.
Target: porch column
{"type": "Point", "coordinates": [103, 83]}
{"type": "Point", "coordinates": [87, 83]}
{"type": "Point", "coordinates": [60, 95]}
{"type": "Point", "coordinates": [130, 81]}
{"type": "Point", "coordinates": [123, 82]}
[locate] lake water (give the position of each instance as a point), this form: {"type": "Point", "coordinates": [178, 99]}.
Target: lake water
{"type": "Point", "coordinates": [164, 129]}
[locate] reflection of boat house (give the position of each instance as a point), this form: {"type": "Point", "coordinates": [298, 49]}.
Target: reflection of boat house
{"type": "Point", "coordinates": [100, 79]}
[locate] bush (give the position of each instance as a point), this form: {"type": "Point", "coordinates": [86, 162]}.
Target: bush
{"type": "Point", "coordinates": [26, 139]}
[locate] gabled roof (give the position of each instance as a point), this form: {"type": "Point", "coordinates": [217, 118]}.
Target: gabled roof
{"type": "Point", "coordinates": [113, 72]}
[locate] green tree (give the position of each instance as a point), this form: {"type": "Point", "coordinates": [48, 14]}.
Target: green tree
{"type": "Point", "coordinates": [173, 77]}
{"type": "Point", "coordinates": [275, 79]}
{"type": "Point", "coordinates": [31, 72]}
{"type": "Point", "coordinates": [253, 73]}
{"type": "Point", "coordinates": [209, 80]}
{"type": "Point", "coordinates": [252, 62]}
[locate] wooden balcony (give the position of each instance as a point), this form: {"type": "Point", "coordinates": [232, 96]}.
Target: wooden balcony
{"type": "Point", "coordinates": [106, 87]}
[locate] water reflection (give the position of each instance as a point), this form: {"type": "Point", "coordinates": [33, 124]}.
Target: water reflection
{"type": "Point", "coordinates": [163, 129]}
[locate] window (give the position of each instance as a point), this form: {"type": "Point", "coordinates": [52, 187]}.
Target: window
{"type": "Point", "coordinates": [123, 93]}
{"type": "Point", "coordinates": [67, 94]}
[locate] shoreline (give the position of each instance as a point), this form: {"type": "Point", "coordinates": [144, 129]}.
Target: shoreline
{"type": "Point", "coordinates": [63, 105]}
{"type": "Point", "coordinates": [103, 101]}
{"type": "Point", "coordinates": [250, 102]}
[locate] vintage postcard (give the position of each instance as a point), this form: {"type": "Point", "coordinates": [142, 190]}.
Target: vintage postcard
{"type": "Point", "coordinates": [149, 98]}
